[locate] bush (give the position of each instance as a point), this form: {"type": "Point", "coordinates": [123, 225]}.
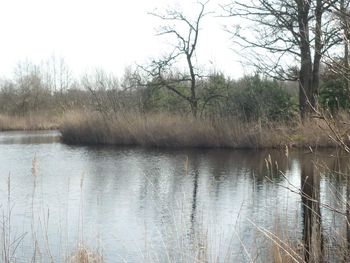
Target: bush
{"type": "Point", "coordinates": [256, 98]}
{"type": "Point", "coordinates": [334, 95]}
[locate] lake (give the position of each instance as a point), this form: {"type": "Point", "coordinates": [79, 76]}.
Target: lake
{"type": "Point", "coordinates": [132, 204]}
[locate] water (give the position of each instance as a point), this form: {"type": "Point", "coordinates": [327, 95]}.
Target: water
{"type": "Point", "coordinates": [155, 205]}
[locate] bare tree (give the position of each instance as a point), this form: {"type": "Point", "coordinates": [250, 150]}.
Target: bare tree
{"type": "Point", "coordinates": [58, 78]}
{"type": "Point", "coordinates": [186, 32]}
{"type": "Point", "coordinates": [33, 95]}
{"type": "Point", "coordinates": [289, 39]}
{"type": "Point", "coordinates": [344, 17]}
{"type": "Point", "coordinates": [103, 89]}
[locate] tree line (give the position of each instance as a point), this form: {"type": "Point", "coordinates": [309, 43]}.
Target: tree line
{"type": "Point", "coordinates": [298, 49]}
{"type": "Point", "coordinates": [251, 98]}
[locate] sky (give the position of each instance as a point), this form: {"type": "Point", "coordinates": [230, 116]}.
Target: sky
{"type": "Point", "coordinates": [103, 34]}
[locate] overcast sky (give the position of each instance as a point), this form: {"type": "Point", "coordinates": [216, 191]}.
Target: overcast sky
{"type": "Point", "coordinates": [107, 34]}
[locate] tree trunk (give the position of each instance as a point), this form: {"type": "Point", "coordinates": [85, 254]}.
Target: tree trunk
{"type": "Point", "coordinates": [345, 26]}
{"type": "Point", "coordinates": [194, 108]}
{"type": "Point", "coordinates": [193, 100]}
{"type": "Point", "coordinates": [305, 85]}
{"type": "Point", "coordinates": [348, 214]}
{"type": "Point", "coordinates": [317, 56]}
{"type": "Point", "coordinates": [347, 67]}
{"type": "Point", "coordinates": [305, 74]}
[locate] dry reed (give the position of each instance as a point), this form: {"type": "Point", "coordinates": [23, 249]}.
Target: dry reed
{"type": "Point", "coordinates": [164, 130]}
{"type": "Point", "coordinates": [29, 122]}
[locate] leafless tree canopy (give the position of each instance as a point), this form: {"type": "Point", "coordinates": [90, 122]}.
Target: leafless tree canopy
{"type": "Point", "coordinates": [186, 32]}
{"type": "Point", "coordinates": [288, 39]}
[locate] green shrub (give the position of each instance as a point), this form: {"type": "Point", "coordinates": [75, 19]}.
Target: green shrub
{"type": "Point", "coordinates": [334, 95]}
{"type": "Point", "coordinates": [257, 98]}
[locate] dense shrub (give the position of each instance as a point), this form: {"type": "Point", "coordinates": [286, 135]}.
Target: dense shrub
{"type": "Point", "coordinates": [334, 95]}
{"type": "Point", "coordinates": [159, 99]}
{"type": "Point", "coordinates": [255, 98]}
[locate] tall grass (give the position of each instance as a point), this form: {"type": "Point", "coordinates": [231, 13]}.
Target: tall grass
{"type": "Point", "coordinates": [164, 130]}
{"type": "Point", "coordinates": [37, 240]}
{"type": "Point", "coordinates": [39, 121]}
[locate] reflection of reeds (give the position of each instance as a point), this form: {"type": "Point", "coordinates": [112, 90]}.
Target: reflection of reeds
{"type": "Point", "coordinates": [36, 253]}
{"type": "Point", "coordinates": [175, 240]}
{"type": "Point", "coordinates": [40, 243]}
{"type": "Point", "coordinates": [185, 241]}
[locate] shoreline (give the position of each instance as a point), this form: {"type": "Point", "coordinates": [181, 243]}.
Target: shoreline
{"type": "Point", "coordinates": [173, 132]}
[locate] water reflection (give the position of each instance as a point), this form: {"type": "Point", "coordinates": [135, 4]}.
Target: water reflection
{"type": "Point", "coordinates": [152, 204]}
{"type": "Point", "coordinates": [310, 191]}
{"type": "Point", "coordinates": [31, 137]}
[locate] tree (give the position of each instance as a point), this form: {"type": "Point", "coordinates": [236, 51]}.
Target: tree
{"type": "Point", "coordinates": [103, 89]}
{"type": "Point", "coordinates": [186, 33]}
{"type": "Point", "coordinates": [342, 14]}
{"type": "Point", "coordinates": [345, 24]}
{"type": "Point", "coordinates": [33, 94]}
{"type": "Point", "coordinates": [334, 93]}
{"type": "Point", "coordinates": [288, 39]}
{"type": "Point", "coordinates": [59, 79]}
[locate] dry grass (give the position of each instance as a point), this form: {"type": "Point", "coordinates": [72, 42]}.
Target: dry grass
{"type": "Point", "coordinates": [85, 255]}
{"type": "Point", "coordinates": [29, 122]}
{"type": "Point", "coordinates": [11, 242]}
{"type": "Point", "coordinates": [162, 130]}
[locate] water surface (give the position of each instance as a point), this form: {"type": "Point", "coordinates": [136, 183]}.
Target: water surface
{"type": "Point", "coordinates": [155, 205]}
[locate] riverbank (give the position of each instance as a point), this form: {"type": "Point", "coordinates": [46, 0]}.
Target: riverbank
{"type": "Point", "coordinates": [29, 122]}
{"type": "Point", "coordinates": [163, 130]}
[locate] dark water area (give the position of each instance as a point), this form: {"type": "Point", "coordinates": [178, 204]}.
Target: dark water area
{"type": "Point", "coordinates": [164, 205]}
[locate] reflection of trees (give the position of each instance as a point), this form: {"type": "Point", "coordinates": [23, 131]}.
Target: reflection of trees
{"type": "Point", "coordinates": [336, 169]}
{"type": "Point", "coordinates": [194, 196]}
{"type": "Point", "coordinates": [348, 211]}
{"type": "Point", "coordinates": [157, 176]}
{"type": "Point", "coordinates": [250, 162]}
{"type": "Point", "coordinates": [310, 188]}
{"type": "Point", "coordinates": [340, 175]}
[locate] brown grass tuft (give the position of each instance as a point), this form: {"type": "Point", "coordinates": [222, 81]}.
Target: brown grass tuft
{"type": "Point", "coordinates": [84, 255]}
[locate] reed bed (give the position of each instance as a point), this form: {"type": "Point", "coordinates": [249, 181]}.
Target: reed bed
{"type": "Point", "coordinates": [164, 130]}
{"type": "Point", "coordinates": [29, 122]}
